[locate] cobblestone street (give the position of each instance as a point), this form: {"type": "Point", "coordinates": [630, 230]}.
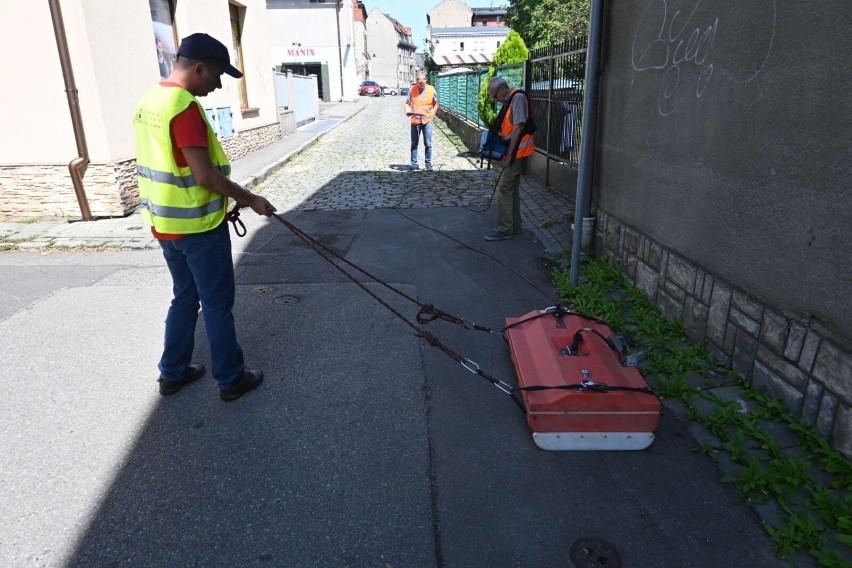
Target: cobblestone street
{"type": "Point", "coordinates": [363, 165]}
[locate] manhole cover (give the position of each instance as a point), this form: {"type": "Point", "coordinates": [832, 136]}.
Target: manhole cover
{"type": "Point", "coordinates": [594, 553]}
{"type": "Point", "coordinates": [286, 300]}
{"type": "Point", "coordinates": [263, 289]}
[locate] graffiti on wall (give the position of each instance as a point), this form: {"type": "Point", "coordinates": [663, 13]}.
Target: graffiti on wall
{"type": "Point", "coordinates": [692, 49]}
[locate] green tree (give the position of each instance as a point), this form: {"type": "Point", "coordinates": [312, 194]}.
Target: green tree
{"type": "Point", "coordinates": [513, 50]}
{"type": "Point", "coordinates": [545, 22]}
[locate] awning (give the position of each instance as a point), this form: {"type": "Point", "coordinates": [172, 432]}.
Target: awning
{"type": "Point", "coordinates": [465, 59]}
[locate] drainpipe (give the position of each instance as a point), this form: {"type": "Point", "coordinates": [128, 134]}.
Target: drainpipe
{"type": "Point", "coordinates": [587, 144]}
{"type": "Point", "coordinates": [77, 166]}
{"type": "Point", "coordinates": [340, 48]}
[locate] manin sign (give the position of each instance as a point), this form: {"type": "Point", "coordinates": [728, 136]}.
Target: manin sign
{"type": "Point", "coordinates": [301, 52]}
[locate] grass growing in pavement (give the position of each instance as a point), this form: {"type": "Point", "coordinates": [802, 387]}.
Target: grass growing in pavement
{"type": "Point", "coordinates": [785, 470]}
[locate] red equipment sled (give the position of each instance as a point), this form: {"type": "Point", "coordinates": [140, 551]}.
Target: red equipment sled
{"type": "Point", "coordinates": [598, 403]}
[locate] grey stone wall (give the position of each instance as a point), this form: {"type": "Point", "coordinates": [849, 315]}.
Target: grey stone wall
{"type": "Point", "coordinates": [47, 191]}
{"type": "Point", "coordinates": [794, 361]}
{"type": "Point", "coordinates": [720, 137]}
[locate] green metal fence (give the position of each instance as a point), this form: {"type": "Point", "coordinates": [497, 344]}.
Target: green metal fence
{"type": "Point", "coordinates": [459, 93]}
{"type": "Point", "coordinates": [553, 78]}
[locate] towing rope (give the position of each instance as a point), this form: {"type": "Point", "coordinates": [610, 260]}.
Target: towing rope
{"type": "Point", "coordinates": [428, 313]}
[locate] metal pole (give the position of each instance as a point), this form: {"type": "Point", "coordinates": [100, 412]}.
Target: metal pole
{"type": "Point", "coordinates": [77, 167]}
{"type": "Point", "coordinates": [584, 179]}
{"type": "Point", "coordinates": [339, 47]}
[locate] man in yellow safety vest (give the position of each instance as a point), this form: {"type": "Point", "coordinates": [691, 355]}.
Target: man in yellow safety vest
{"type": "Point", "coordinates": [184, 189]}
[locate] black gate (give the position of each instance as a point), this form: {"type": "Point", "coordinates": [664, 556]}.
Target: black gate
{"type": "Point", "coordinates": [554, 83]}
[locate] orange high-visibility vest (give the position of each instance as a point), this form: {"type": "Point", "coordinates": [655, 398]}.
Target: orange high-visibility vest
{"type": "Point", "coordinates": [422, 112]}
{"type": "Point", "coordinates": [526, 146]}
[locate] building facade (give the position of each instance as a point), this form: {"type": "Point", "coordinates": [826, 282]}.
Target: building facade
{"type": "Point", "coordinates": [449, 14]}
{"type": "Point", "coordinates": [391, 50]}
{"type": "Point", "coordinates": [362, 55]}
{"type": "Point", "coordinates": [467, 46]}
{"type": "Point", "coordinates": [115, 51]}
{"type": "Point", "coordinates": [489, 16]}
{"type": "Point", "coordinates": [316, 37]}
{"type": "Point", "coordinates": [461, 36]}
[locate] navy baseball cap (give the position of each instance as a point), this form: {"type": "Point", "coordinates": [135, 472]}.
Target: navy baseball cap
{"type": "Point", "coordinates": [207, 48]}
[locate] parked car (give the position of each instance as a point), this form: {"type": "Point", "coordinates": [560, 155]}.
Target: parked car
{"type": "Point", "coordinates": [403, 91]}
{"type": "Point", "coordinates": [370, 88]}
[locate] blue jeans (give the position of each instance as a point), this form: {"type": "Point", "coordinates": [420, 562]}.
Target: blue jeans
{"type": "Point", "coordinates": [202, 274]}
{"type": "Point", "coordinates": [416, 129]}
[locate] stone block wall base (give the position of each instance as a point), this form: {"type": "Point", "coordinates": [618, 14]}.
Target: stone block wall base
{"type": "Point", "coordinates": [247, 141]}
{"type": "Point", "coordinates": [111, 189]}
{"type": "Point", "coordinates": [807, 371]}
{"type": "Point", "coordinates": [47, 190]}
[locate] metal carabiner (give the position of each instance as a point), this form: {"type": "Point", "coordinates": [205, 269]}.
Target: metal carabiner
{"type": "Point", "coordinates": [234, 217]}
{"type": "Point", "coordinates": [467, 324]}
{"type": "Point", "coordinates": [470, 366]}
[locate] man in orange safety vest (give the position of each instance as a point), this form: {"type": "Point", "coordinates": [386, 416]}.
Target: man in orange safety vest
{"type": "Point", "coordinates": [421, 107]}
{"type": "Point", "coordinates": [520, 145]}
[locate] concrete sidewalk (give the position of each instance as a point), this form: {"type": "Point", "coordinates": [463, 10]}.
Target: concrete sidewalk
{"type": "Point", "coordinates": [544, 210]}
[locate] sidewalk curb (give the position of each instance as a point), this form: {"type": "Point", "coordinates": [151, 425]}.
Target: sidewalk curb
{"type": "Point", "coordinates": [253, 180]}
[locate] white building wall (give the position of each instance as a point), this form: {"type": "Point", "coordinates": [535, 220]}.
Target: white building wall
{"type": "Point", "coordinates": [362, 58]}
{"type": "Point", "coordinates": [476, 41]}
{"type": "Point", "coordinates": [303, 32]}
{"type": "Point", "coordinates": [114, 63]}
{"type": "Point", "coordinates": [348, 42]}
{"type": "Point", "coordinates": [111, 45]}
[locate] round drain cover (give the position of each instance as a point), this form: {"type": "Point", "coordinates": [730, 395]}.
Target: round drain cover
{"type": "Point", "coordinates": [286, 300]}
{"type": "Point", "coordinates": [594, 553]}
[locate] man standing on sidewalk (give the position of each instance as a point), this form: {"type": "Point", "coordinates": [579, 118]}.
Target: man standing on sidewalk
{"type": "Point", "coordinates": [421, 107]}
{"type": "Point", "coordinates": [513, 118]}
{"type": "Point", "coordinates": [184, 190]}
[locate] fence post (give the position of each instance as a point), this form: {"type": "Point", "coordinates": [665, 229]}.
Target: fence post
{"type": "Point", "coordinates": [316, 99]}
{"type": "Point", "coordinates": [291, 90]}
{"type": "Point", "coordinates": [549, 115]}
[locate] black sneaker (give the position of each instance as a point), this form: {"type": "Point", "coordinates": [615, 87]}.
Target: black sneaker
{"type": "Point", "coordinates": [428, 167]}
{"type": "Point", "coordinates": [192, 374]}
{"type": "Point", "coordinates": [249, 379]}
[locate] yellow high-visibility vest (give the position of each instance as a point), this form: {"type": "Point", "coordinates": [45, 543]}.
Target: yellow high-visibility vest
{"type": "Point", "coordinates": [171, 199]}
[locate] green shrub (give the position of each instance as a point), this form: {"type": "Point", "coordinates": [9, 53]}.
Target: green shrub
{"type": "Point", "coordinates": [513, 50]}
